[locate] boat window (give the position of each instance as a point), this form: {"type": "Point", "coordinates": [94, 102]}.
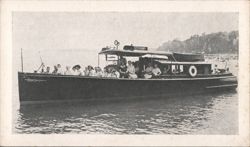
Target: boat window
{"type": "Point", "coordinates": [174, 68]}
{"type": "Point", "coordinates": [181, 68]}
{"type": "Point", "coordinates": [165, 69]}
{"type": "Point", "coordinates": [111, 58]}
{"type": "Point", "coordinates": [177, 69]}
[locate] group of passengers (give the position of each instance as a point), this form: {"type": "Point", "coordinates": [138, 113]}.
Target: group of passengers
{"type": "Point", "coordinates": [76, 70]}
{"type": "Point", "coordinates": [128, 71]}
{"type": "Point", "coordinates": [152, 71]}
{"type": "Point", "coordinates": [123, 70]}
{"type": "Point", "coordinates": [132, 70]}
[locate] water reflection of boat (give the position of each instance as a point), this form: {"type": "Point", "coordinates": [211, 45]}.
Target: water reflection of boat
{"type": "Point", "coordinates": [183, 77]}
{"type": "Point", "coordinates": [191, 113]}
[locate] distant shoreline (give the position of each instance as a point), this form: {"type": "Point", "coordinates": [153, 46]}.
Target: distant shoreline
{"type": "Point", "coordinates": [213, 43]}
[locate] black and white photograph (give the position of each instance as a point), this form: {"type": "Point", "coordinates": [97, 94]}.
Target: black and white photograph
{"type": "Point", "coordinates": [125, 73]}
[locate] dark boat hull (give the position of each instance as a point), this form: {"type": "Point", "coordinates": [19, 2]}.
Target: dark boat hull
{"type": "Point", "coordinates": [38, 88]}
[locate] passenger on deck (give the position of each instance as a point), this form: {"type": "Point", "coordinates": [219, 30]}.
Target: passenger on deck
{"type": "Point", "coordinates": [122, 61]}
{"type": "Point", "coordinates": [55, 70]}
{"type": "Point", "coordinates": [47, 70]}
{"type": "Point", "coordinates": [108, 72]}
{"type": "Point", "coordinates": [123, 70]}
{"type": "Point", "coordinates": [76, 70]}
{"type": "Point", "coordinates": [175, 71]}
{"type": "Point", "coordinates": [105, 72]}
{"type": "Point", "coordinates": [115, 73]}
{"type": "Point", "coordinates": [59, 69]}
{"type": "Point", "coordinates": [165, 70]}
{"type": "Point", "coordinates": [216, 70]}
{"type": "Point", "coordinates": [67, 71]}
{"type": "Point", "coordinates": [148, 71]}
{"type": "Point", "coordinates": [90, 71]}
{"type": "Point", "coordinates": [85, 72]}
{"type": "Point", "coordinates": [131, 71]}
{"type": "Point", "coordinates": [98, 72]}
{"type": "Point", "coordinates": [156, 70]}
{"type": "Point", "coordinates": [137, 69]}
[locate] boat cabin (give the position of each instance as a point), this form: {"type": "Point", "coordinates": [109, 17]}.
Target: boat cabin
{"type": "Point", "coordinates": [170, 64]}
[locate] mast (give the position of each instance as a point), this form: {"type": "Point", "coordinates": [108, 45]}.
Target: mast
{"type": "Point", "coordinates": [98, 60]}
{"type": "Point", "coordinates": [22, 58]}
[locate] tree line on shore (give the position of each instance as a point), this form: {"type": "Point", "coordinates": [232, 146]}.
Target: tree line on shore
{"type": "Point", "coordinates": [214, 43]}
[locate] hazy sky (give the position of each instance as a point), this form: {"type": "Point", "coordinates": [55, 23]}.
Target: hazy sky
{"type": "Point", "coordinates": [77, 37]}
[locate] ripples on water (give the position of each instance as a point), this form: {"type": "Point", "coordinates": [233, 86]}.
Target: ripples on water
{"type": "Point", "coordinates": [200, 114]}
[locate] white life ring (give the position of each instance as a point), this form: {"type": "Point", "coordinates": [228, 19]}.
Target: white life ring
{"type": "Point", "coordinates": [192, 71]}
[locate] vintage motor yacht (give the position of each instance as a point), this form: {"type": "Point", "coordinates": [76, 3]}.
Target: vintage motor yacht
{"type": "Point", "coordinates": [182, 74]}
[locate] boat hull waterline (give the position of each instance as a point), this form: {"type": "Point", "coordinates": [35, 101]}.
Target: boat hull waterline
{"type": "Point", "coordinates": [44, 88]}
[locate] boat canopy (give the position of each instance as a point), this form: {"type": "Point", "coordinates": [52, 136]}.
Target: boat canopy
{"type": "Point", "coordinates": [138, 53]}
{"type": "Point", "coordinates": [183, 63]}
{"type": "Point", "coordinates": [165, 57]}
{"type": "Point", "coordinates": [158, 57]}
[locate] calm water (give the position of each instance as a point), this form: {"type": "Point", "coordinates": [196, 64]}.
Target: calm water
{"type": "Point", "coordinates": [200, 114]}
